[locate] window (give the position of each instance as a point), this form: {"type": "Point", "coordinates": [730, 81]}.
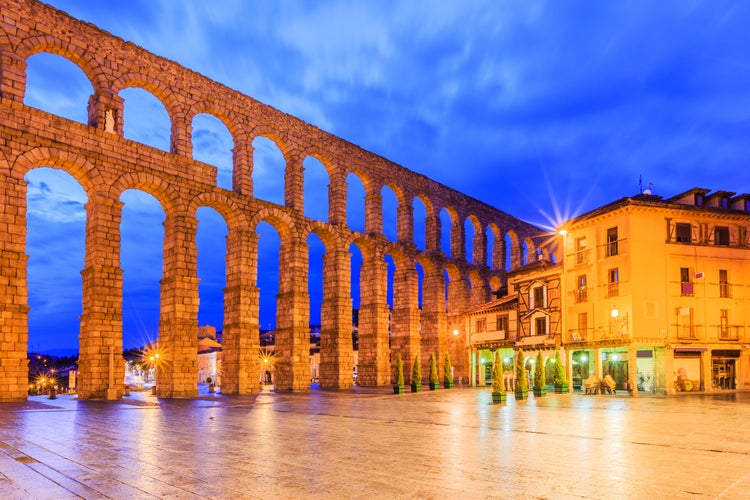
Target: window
{"type": "Point", "coordinates": [723, 324]}
{"type": "Point", "coordinates": [685, 328]}
{"type": "Point", "coordinates": [481, 325]}
{"type": "Point", "coordinates": [721, 235]}
{"type": "Point", "coordinates": [699, 199]}
{"type": "Point", "coordinates": [724, 202]}
{"type": "Point", "coordinates": [538, 297]}
{"type": "Point", "coordinates": [686, 287]}
{"type": "Point", "coordinates": [581, 291]}
{"type": "Point", "coordinates": [683, 232]}
{"type": "Point", "coordinates": [502, 323]}
{"type": "Point", "coordinates": [540, 325]}
{"type": "Point", "coordinates": [724, 290]}
{"type": "Point", "coordinates": [583, 324]}
{"type": "Point", "coordinates": [613, 282]}
{"type": "Point", "coordinates": [581, 252]}
{"type": "Point", "coordinates": [612, 241]}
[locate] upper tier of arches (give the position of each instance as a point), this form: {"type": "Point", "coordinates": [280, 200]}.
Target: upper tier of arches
{"type": "Point", "coordinates": [112, 65]}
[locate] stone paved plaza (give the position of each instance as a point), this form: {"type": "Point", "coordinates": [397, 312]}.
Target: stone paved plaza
{"type": "Point", "coordinates": [372, 444]}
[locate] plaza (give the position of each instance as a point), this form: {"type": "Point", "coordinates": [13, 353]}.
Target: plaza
{"type": "Point", "coordinates": [370, 443]}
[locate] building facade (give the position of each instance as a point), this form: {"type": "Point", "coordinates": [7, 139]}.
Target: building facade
{"type": "Point", "coordinates": [656, 292]}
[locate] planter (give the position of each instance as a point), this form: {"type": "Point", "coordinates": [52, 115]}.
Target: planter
{"type": "Point", "coordinates": [499, 397]}
{"type": "Point", "coordinates": [540, 392]}
{"type": "Point", "coordinates": [416, 387]}
{"type": "Point", "coordinates": [521, 395]}
{"type": "Point", "coordinates": [434, 386]}
{"type": "Point", "coordinates": [448, 385]}
{"type": "Point", "coordinates": [398, 389]}
{"type": "Point", "coordinates": [561, 388]}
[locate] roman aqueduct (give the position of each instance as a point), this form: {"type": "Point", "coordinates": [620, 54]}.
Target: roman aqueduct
{"type": "Point", "coordinates": [106, 164]}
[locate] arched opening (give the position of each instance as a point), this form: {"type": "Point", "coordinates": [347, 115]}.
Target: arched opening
{"type": "Point", "coordinates": [56, 232]}
{"type": "Point", "coordinates": [446, 228]}
{"type": "Point", "coordinates": [56, 85]}
{"type": "Point", "coordinates": [390, 214]}
{"type": "Point", "coordinates": [316, 189]}
{"type": "Point", "coordinates": [211, 245]}
{"type": "Point", "coordinates": [420, 224]}
{"type": "Point", "coordinates": [490, 247]}
{"type": "Point", "coordinates": [391, 265]}
{"type": "Point", "coordinates": [269, 246]}
{"type": "Point", "coordinates": [315, 251]}
{"type": "Point", "coordinates": [525, 253]}
{"type": "Point", "coordinates": [356, 295]}
{"type": "Point", "coordinates": [269, 166]}
{"type": "Point", "coordinates": [213, 144]}
{"type": "Point", "coordinates": [145, 119]}
{"type": "Point", "coordinates": [469, 240]}
{"type": "Point", "coordinates": [355, 203]}
{"type": "Point", "coordinates": [141, 248]}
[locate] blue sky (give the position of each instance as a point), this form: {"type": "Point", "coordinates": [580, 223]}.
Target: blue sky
{"type": "Point", "coordinates": [543, 109]}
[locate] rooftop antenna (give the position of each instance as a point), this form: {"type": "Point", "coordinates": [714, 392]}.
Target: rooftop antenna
{"type": "Point", "coordinates": [640, 183]}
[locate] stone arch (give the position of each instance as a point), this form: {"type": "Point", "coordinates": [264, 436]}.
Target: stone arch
{"type": "Point", "coordinates": [454, 236]}
{"type": "Point", "coordinates": [161, 91]}
{"type": "Point", "coordinates": [330, 239]}
{"type": "Point", "coordinates": [512, 250]}
{"type": "Point", "coordinates": [496, 250]}
{"type": "Point", "coordinates": [281, 221]}
{"type": "Point", "coordinates": [495, 282]}
{"type": "Point", "coordinates": [225, 116]}
{"type": "Point", "coordinates": [232, 214]}
{"type": "Point", "coordinates": [273, 135]}
{"type": "Point", "coordinates": [77, 165]}
{"type": "Point", "coordinates": [470, 247]}
{"type": "Point", "coordinates": [322, 157]}
{"type": "Point", "coordinates": [159, 188]}
{"type": "Point", "coordinates": [454, 273]}
{"type": "Point", "coordinates": [84, 59]}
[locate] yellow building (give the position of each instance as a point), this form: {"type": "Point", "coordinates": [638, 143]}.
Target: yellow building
{"type": "Point", "coordinates": [656, 292]}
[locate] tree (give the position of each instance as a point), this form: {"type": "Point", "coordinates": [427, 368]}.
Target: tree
{"type": "Point", "coordinates": [522, 380]}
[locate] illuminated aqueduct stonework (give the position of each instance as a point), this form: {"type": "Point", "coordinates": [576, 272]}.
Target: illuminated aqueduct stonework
{"type": "Point", "coordinates": [106, 164]}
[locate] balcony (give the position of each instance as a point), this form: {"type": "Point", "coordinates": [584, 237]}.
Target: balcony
{"type": "Point", "coordinates": [687, 289]}
{"type": "Point", "coordinates": [613, 289]}
{"type": "Point", "coordinates": [688, 332]}
{"type": "Point", "coordinates": [729, 332]}
{"type": "Point", "coordinates": [581, 295]}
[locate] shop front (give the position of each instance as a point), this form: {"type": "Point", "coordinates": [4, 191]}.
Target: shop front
{"type": "Point", "coordinates": [688, 372]}
{"type": "Point", "coordinates": [724, 369]}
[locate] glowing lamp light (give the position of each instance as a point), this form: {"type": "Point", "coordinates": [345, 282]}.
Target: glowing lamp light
{"type": "Point", "coordinates": [614, 312]}
{"type": "Point", "coordinates": [562, 232]}
{"type": "Point", "coordinates": [584, 359]}
{"type": "Point", "coordinates": [455, 332]}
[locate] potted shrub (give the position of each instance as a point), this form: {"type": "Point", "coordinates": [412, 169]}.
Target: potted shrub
{"type": "Point", "coordinates": [558, 376]}
{"type": "Point", "coordinates": [416, 376]}
{"type": "Point", "coordinates": [434, 379]}
{"type": "Point", "coordinates": [398, 386]}
{"type": "Point", "coordinates": [498, 384]}
{"type": "Point", "coordinates": [447, 372]}
{"type": "Point", "coordinates": [540, 381]}
{"type": "Point", "coordinates": [521, 388]}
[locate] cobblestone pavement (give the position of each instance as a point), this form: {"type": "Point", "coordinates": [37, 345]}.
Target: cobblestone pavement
{"type": "Point", "coordinates": [373, 444]}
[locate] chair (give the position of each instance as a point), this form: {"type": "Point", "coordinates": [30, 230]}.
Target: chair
{"type": "Point", "coordinates": [608, 384]}
{"type": "Point", "coordinates": [591, 385]}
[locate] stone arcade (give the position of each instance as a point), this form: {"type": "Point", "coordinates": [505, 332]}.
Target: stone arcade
{"type": "Point", "coordinates": [106, 164]}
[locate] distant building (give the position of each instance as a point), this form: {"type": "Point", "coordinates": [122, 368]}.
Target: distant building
{"type": "Point", "coordinates": [209, 355]}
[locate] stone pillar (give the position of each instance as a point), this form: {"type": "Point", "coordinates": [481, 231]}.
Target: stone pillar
{"type": "Point", "coordinates": [480, 247]}
{"type": "Point", "coordinates": [434, 320]}
{"type": "Point", "coordinates": [666, 376]}
{"type": "Point", "coordinates": [633, 369]}
{"type": "Point", "coordinates": [294, 181]}
{"type": "Point", "coordinates": [479, 292]}
{"type": "Point", "coordinates": [432, 233]}
{"type": "Point", "coordinates": [337, 201]}
{"type": "Point", "coordinates": [336, 351]}
{"type": "Point", "coordinates": [374, 365]}
{"type": "Point", "coordinates": [405, 224]}
{"type": "Point", "coordinates": [241, 335]}
{"type": "Point", "coordinates": [105, 112]}
{"type": "Point", "coordinates": [516, 257]}
{"type": "Point", "coordinates": [242, 170]}
{"type": "Point", "coordinates": [405, 321]}
{"type": "Point", "coordinates": [177, 370]}
{"type": "Point", "coordinates": [458, 242]}
{"type": "Point", "coordinates": [181, 141]}
{"type": "Point", "coordinates": [12, 83]}
{"type": "Point", "coordinates": [14, 309]}
{"type": "Point", "coordinates": [706, 372]}
{"type": "Point", "coordinates": [458, 302]}
{"type": "Point", "coordinates": [374, 214]}
{"type": "Point", "coordinates": [498, 254]}
{"type": "Point", "coordinates": [101, 321]}
{"type": "Point", "coordinates": [293, 319]}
